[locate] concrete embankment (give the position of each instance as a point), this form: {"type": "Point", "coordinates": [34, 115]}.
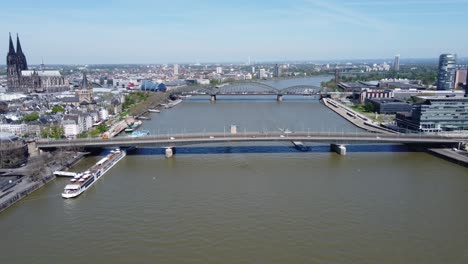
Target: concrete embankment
{"type": "Point", "coordinates": [457, 156]}
{"type": "Point", "coordinates": [21, 190]}
{"type": "Point", "coordinates": [25, 186]}
{"type": "Point", "coordinates": [354, 117]}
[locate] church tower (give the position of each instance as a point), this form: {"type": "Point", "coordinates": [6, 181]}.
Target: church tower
{"type": "Point", "coordinates": [13, 70]}
{"type": "Point", "coordinates": [22, 63]}
{"type": "Point", "coordinates": [85, 93]}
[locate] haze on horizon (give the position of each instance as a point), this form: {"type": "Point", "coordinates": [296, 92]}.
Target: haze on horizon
{"type": "Point", "coordinates": [155, 31]}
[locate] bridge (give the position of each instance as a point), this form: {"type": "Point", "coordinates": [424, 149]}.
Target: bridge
{"type": "Point", "coordinates": [248, 88]}
{"type": "Point", "coordinates": [337, 140]}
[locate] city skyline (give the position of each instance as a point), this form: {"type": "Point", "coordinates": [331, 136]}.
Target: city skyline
{"type": "Point", "coordinates": [146, 32]}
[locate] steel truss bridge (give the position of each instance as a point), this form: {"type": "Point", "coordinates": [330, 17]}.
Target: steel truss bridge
{"type": "Point", "coordinates": [247, 88]}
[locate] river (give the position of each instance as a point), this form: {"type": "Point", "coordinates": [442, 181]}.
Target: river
{"type": "Point", "coordinates": [255, 203]}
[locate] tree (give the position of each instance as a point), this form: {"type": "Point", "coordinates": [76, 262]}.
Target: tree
{"type": "Point", "coordinates": [368, 107]}
{"type": "Point", "coordinates": [57, 108]}
{"type": "Point", "coordinates": [53, 131]}
{"type": "Point", "coordinates": [102, 128]}
{"type": "Point", "coordinates": [31, 117]}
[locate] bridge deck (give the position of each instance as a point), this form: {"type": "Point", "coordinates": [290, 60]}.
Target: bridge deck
{"type": "Point", "coordinates": [189, 139]}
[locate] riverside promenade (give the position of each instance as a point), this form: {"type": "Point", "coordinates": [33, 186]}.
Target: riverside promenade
{"type": "Point", "coordinates": [24, 186]}
{"type": "Point", "coordinates": [355, 118]}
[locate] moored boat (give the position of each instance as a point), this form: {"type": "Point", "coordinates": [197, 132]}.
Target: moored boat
{"type": "Point", "coordinates": [139, 133]}
{"type": "Point", "coordinates": [173, 103]}
{"type": "Point", "coordinates": [133, 126]}
{"type": "Point", "coordinates": [82, 181]}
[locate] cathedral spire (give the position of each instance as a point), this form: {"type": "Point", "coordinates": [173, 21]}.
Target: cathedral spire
{"type": "Point", "coordinates": [18, 44]}
{"type": "Point", "coordinates": [11, 50]}
{"type": "Point", "coordinates": [23, 64]}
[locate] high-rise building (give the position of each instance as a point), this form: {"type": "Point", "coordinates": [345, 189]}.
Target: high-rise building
{"type": "Point", "coordinates": [460, 78]}
{"type": "Point", "coordinates": [396, 63]}
{"type": "Point", "coordinates": [176, 69]}
{"type": "Point", "coordinates": [219, 70]}
{"type": "Point", "coordinates": [337, 75]}
{"type": "Point", "coordinates": [446, 72]}
{"type": "Point", "coordinates": [262, 74]}
{"type": "Point", "coordinates": [277, 71]}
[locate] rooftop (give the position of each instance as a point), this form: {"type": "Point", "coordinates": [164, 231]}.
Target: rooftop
{"type": "Point", "coordinates": [42, 73]}
{"type": "Point", "coordinates": [7, 136]}
{"type": "Point", "coordinates": [444, 98]}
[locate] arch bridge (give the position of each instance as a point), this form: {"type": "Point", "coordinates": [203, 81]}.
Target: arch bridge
{"type": "Point", "coordinates": [247, 88]}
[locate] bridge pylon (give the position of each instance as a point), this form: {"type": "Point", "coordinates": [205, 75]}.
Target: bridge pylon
{"type": "Point", "coordinates": [339, 149]}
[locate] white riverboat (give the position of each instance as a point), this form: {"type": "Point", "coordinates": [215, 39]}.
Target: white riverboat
{"type": "Point", "coordinates": [173, 103]}
{"type": "Point", "coordinates": [82, 181]}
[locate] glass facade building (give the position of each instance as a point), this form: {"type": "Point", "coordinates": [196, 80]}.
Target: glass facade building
{"type": "Point", "coordinates": [437, 114]}
{"type": "Point", "coordinates": [153, 87]}
{"type": "Point", "coordinates": [446, 72]}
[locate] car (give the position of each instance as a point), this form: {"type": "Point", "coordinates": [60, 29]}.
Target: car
{"type": "Point", "coordinates": [282, 136]}
{"type": "Point", "coordinates": [172, 138]}
{"type": "Point", "coordinates": [211, 137]}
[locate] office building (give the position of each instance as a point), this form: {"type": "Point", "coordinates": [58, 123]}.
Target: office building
{"type": "Point", "coordinates": [460, 78]}
{"type": "Point", "coordinates": [446, 72]}
{"type": "Point", "coordinates": [396, 63]}
{"type": "Point", "coordinates": [277, 71]}
{"type": "Point", "coordinates": [436, 114]}
{"type": "Point", "coordinates": [389, 105]}
{"type": "Point", "coordinates": [262, 74]}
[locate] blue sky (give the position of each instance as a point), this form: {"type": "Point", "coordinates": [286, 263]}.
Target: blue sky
{"type": "Point", "coordinates": [154, 31]}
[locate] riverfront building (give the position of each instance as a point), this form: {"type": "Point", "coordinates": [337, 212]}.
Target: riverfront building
{"type": "Point", "coordinates": [446, 72]}
{"type": "Point", "coordinates": [389, 105]}
{"type": "Point", "coordinates": [435, 114]}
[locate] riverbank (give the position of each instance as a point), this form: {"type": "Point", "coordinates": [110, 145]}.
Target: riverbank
{"type": "Point", "coordinates": [136, 107]}
{"type": "Point", "coordinates": [450, 155]}
{"type": "Point", "coordinates": [37, 178]}
{"type": "Point", "coordinates": [354, 117]}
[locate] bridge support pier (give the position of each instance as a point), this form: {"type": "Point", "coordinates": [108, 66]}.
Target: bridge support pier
{"type": "Point", "coordinates": [340, 149]}
{"type": "Point", "coordinates": [213, 98]}
{"type": "Point", "coordinates": [279, 98]}
{"type": "Point", "coordinates": [169, 152]}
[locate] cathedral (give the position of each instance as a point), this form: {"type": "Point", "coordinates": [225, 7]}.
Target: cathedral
{"type": "Point", "coordinates": [22, 80]}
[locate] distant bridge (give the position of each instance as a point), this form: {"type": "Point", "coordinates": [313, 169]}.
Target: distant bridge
{"type": "Point", "coordinates": [206, 138]}
{"type": "Point", "coordinates": [247, 88]}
